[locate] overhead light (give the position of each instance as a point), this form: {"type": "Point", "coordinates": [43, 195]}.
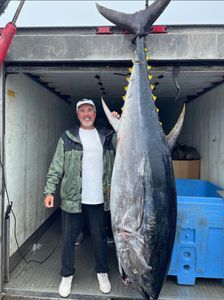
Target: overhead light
{"type": "Point", "coordinates": [159, 29]}
{"type": "Point", "coordinates": [104, 30]}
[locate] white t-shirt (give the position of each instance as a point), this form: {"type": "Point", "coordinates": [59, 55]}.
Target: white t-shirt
{"type": "Point", "coordinates": [92, 166]}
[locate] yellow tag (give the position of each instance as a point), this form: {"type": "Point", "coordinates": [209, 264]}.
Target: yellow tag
{"type": "Point", "coordinates": [11, 93]}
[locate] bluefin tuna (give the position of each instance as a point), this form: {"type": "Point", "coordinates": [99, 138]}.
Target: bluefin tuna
{"type": "Point", "coordinates": [143, 194]}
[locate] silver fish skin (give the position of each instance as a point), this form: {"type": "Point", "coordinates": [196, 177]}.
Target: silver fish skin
{"type": "Point", "coordinates": [143, 194]}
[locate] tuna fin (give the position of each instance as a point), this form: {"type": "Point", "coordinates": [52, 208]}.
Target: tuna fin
{"type": "Point", "coordinates": [122, 20]}
{"type": "Point", "coordinates": [174, 133]}
{"type": "Point", "coordinates": [115, 123]}
{"type": "Point", "coordinates": [139, 22]}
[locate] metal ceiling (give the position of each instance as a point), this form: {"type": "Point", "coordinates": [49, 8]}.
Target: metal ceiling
{"type": "Point", "coordinates": [110, 82]}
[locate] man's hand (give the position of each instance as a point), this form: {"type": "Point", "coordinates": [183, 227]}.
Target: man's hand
{"type": "Point", "coordinates": [49, 201]}
{"type": "Point", "coordinates": [116, 115]}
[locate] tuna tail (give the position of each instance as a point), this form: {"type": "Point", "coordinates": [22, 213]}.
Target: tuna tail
{"type": "Point", "coordinates": [115, 123]}
{"type": "Point", "coordinates": [138, 23]}
{"type": "Point", "coordinates": [174, 133]}
{"type": "Point", "coordinates": [3, 5]}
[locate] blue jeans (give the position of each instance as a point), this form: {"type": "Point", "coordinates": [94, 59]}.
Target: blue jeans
{"type": "Point", "coordinates": [72, 225]}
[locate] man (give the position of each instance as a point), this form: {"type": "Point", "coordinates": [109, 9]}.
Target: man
{"type": "Point", "coordinates": [83, 162]}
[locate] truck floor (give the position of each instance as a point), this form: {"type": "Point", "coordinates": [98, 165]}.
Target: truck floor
{"type": "Point", "coordinates": [40, 281]}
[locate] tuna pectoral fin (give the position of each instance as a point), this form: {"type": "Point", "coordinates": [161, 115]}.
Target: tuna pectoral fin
{"type": "Point", "coordinates": [174, 133]}
{"type": "Point", "coordinates": [115, 123]}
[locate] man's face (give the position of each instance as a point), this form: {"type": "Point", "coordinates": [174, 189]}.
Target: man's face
{"type": "Point", "coordinates": [86, 114]}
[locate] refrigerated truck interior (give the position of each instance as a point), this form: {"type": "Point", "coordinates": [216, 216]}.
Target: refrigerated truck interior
{"type": "Point", "coordinates": [46, 71]}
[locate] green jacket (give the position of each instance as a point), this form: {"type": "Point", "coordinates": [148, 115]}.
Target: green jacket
{"type": "Point", "coordinates": [66, 167]}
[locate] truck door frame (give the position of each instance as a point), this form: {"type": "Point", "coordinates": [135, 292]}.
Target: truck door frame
{"type": "Point", "coordinates": [2, 206]}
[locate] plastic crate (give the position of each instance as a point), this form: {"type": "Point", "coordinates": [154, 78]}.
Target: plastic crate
{"type": "Point", "coordinates": [199, 243]}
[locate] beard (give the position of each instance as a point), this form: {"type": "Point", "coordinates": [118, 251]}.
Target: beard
{"type": "Point", "coordinates": [87, 123]}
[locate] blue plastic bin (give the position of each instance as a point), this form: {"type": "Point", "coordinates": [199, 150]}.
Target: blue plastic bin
{"type": "Point", "coordinates": [199, 244]}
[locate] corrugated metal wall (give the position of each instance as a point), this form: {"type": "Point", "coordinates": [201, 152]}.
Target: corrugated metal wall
{"type": "Point", "coordinates": [204, 129]}
{"type": "Point", "coordinates": [35, 119]}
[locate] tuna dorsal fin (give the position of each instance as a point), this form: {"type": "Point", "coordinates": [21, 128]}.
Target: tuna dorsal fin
{"type": "Point", "coordinates": [115, 123]}
{"type": "Point", "coordinates": [174, 133]}
{"type": "Point", "coordinates": [139, 22]}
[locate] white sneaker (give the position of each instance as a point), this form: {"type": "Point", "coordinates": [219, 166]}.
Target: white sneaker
{"type": "Point", "coordinates": [80, 238]}
{"type": "Point", "coordinates": [104, 283]}
{"type": "Point", "coordinates": [110, 239]}
{"type": "Point", "coordinates": [65, 286]}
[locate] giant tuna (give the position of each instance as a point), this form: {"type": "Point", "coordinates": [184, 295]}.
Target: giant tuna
{"type": "Point", "coordinates": [143, 194]}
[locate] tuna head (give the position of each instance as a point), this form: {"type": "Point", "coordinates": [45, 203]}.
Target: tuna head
{"type": "Point", "coordinates": [140, 273]}
{"type": "Point", "coordinates": [133, 250]}
{"type": "Point", "coordinates": [129, 224]}
{"type": "Point", "coordinates": [132, 254]}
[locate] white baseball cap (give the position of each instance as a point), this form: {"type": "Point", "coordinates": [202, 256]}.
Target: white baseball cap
{"type": "Point", "coordinates": [85, 101]}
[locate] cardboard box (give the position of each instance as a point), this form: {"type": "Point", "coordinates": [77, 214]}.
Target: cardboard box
{"type": "Point", "coordinates": [186, 169]}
